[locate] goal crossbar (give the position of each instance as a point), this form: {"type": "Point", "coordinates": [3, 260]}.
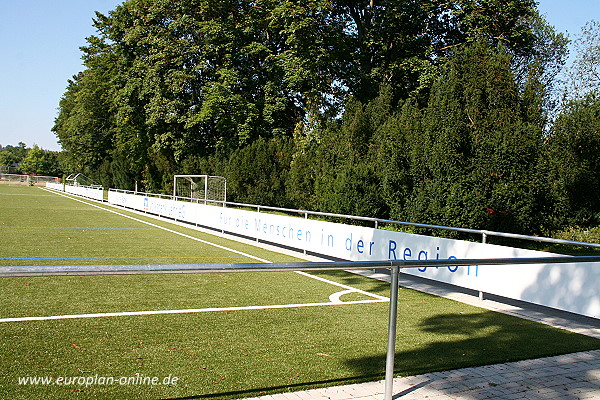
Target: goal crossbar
{"type": "Point", "coordinates": [201, 187]}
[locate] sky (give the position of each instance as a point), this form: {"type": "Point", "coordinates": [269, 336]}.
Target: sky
{"type": "Point", "coordinates": [39, 52]}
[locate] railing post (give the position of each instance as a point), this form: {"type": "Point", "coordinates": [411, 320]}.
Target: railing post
{"type": "Point", "coordinates": [391, 346]}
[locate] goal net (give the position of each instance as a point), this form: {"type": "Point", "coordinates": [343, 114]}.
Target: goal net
{"type": "Point", "coordinates": [200, 188]}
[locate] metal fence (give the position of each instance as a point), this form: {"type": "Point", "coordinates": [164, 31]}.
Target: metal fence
{"type": "Point", "coordinates": [483, 233]}
{"type": "Point", "coordinates": [394, 266]}
{"type": "Point", "coordinates": [20, 179]}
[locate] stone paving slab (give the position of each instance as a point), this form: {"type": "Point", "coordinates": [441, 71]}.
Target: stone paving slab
{"type": "Point", "coordinates": [567, 377]}
{"type": "Point", "coordinates": [573, 376]}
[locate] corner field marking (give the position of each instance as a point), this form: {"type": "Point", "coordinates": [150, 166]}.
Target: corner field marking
{"type": "Point", "coordinates": [336, 297]}
{"type": "Point", "coordinates": [350, 289]}
{"type": "Point", "coordinates": [186, 311]}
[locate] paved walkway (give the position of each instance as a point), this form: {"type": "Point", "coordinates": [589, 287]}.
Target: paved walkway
{"type": "Point", "coordinates": [568, 377]}
{"type": "Point", "coordinates": [573, 376]}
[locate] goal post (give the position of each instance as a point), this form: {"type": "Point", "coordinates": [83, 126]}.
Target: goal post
{"type": "Point", "coordinates": [205, 188]}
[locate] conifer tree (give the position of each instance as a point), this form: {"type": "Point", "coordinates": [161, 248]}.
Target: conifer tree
{"type": "Point", "coordinates": [476, 162]}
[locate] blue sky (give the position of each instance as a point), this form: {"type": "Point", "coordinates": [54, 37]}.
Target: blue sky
{"type": "Point", "coordinates": [39, 48]}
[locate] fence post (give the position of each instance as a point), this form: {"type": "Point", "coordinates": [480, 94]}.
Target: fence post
{"type": "Point", "coordinates": [391, 346]}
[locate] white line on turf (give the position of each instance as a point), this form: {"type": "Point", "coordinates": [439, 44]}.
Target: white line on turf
{"type": "Point", "coordinates": [188, 311]}
{"type": "Point", "coordinates": [163, 228]}
{"type": "Point", "coordinates": [336, 296]}
{"type": "Point", "coordinates": [350, 288]}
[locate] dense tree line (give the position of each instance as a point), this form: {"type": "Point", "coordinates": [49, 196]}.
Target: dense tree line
{"type": "Point", "coordinates": [427, 111]}
{"type": "Point", "coordinates": [11, 156]}
{"type": "Point", "coordinates": [23, 160]}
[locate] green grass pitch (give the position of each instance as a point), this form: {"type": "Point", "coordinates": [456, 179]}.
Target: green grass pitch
{"type": "Point", "coordinates": [226, 353]}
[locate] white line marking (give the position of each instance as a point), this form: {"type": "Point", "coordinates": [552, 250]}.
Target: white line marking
{"type": "Point", "coordinates": [25, 194]}
{"type": "Point", "coordinates": [335, 298]}
{"type": "Point", "coordinates": [163, 228]}
{"type": "Point", "coordinates": [382, 298]}
{"type": "Point", "coordinates": [350, 289]}
{"type": "Point", "coordinates": [186, 311]}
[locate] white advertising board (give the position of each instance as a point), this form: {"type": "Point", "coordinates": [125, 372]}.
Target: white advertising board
{"type": "Point", "coordinates": [55, 186]}
{"type": "Point", "coordinates": [92, 193]}
{"type": "Point", "coordinates": [569, 287]}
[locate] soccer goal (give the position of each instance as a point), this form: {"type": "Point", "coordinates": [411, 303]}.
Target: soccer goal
{"type": "Point", "coordinates": [81, 180]}
{"type": "Point", "coordinates": [200, 188]}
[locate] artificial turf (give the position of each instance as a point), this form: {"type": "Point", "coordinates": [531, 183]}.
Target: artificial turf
{"type": "Point", "coordinates": [221, 354]}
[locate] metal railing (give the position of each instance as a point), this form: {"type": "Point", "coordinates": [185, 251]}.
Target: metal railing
{"type": "Point", "coordinates": [376, 221]}
{"type": "Point", "coordinates": [394, 266]}
{"type": "Point", "coordinates": [157, 195]}
{"type": "Point", "coordinates": [27, 178]}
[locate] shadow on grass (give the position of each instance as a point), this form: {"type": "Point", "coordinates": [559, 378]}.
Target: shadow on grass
{"type": "Point", "coordinates": [507, 339]}
{"type": "Point", "coordinates": [457, 341]}
{"type": "Point", "coordinates": [354, 280]}
{"type": "Point", "coordinates": [478, 339]}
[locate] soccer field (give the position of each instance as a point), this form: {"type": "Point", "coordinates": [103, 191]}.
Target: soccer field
{"type": "Point", "coordinates": [218, 335]}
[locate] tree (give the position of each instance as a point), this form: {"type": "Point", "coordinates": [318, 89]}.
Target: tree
{"type": "Point", "coordinates": [402, 42]}
{"type": "Point", "coordinates": [84, 125]}
{"type": "Point", "coordinates": [573, 143]}
{"type": "Point", "coordinates": [392, 154]}
{"type": "Point", "coordinates": [584, 75]}
{"type": "Point", "coordinates": [187, 78]}
{"type": "Point", "coordinates": [357, 90]}
{"type": "Point", "coordinates": [257, 173]}
{"type": "Point", "coordinates": [475, 162]}
{"type": "Point", "coordinates": [41, 162]}
{"type": "Point", "coordinates": [573, 161]}
{"type": "Point", "coordinates": [12, 155]}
